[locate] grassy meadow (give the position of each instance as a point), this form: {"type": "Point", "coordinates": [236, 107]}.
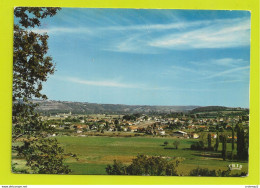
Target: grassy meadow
{"type": "Point", "coordinates": [95, 152]}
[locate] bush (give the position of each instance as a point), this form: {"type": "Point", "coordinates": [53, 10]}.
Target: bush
{"type": "Point", "coordinates": [198, 146]}
{"type": "Point", "coordinates": [206, 172]}
{"type": "Point", "coordinates": [116, 169]}
{"type": "Point", "coordinates": [210, 149]}
{"type": "Point", "coordinates": [176, 143]}
{"type": "Point", "coordinates": [202, 172]}
{"type": "Point", "coordinates": [166, 143]}
{"type": "Point", "coordinates": [144, 165]}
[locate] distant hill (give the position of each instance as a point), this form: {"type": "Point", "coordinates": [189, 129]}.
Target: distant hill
{"type": "Point", "coordinates": [50, 106]}
{"type": "Point", "coordinates": [215, 109]}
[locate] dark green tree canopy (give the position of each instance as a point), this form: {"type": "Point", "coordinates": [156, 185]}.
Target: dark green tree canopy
{"type": "Point", "coordinates": [31, 16]}
{"type": "Point", "coordinates": [31, 65]}
{"type": "Point", "coordinates": [145, 165]}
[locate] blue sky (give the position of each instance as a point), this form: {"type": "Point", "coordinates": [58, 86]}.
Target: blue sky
{"type": "Point", "coordinates": [149, 57]}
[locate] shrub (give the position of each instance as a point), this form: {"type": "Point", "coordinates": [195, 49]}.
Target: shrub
{"type": "Point", "coordinates": [176, 143]}
{"type": "Point", "coordinates": [116, 169]}
{"type": "Point", "coordinates": [206, 172]}
{"type": "Point", "coordinates": [144, 165]}
{"type": "Point", "coordinates": [202, 172]}
{"type": "Point", "coordinates": [198, 146]}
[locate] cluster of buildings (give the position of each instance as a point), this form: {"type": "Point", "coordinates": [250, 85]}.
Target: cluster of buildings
{"type": "Point", "coordinates": [185, 127]}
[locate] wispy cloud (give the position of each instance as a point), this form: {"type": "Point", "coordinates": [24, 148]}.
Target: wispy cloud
{"type": "Point", "coordinates": [185, 69]}
{"type": "Point", "coordinates": [158, 27]}
{"type": "Point", "coordinates": [154, 38]}
{"type": "Point", "coordinates": [222, 62]}
{"type": "Point", "coordinates": [112, 83]}
{"type": "Point", "coordinates": [64, 30]}
{"type": "Point", "coordinates": [218, 34]}
{"type": "Point", "coordinates": [224, 33]}
{"type": "Point", "coordinates": [227, 72]}
{"type": "Point", "coordinates": [223, 69]}
{"type": "Point", "coordinates": [227, 81]}
{"type": "Point", "coordinates": [117, 28]}
{"type": "Point", "coordinates": [104, 83]}
{"type": "Point", "coordinates": [131, 43]}
{"type": "Point", "coordinates": [228, 62]}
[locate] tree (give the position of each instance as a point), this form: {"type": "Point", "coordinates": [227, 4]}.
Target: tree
{"type": "Point", "coordinates": [144, 165]}
{"type": "Point", "coordinates": [217, 141]}
{"type": "Point", "coordinates": [176, 143]}
{"type": "Point", "coordinates": [224, 147]}
{"type": "Point", "coordinates": [242, 142]}
{"type": "Point", "coordinates": [116, 169]}
{"type": "Point", "coordinates": [166, 143]}
{"type": "Point", "coordinates": [233, 142]}
{"type": "Point", "coordinates": [209, 141]}
{"type": "Point", "coordinates": [233, 139]}
{"type": "Point", "coordinates": [197, 146]}
{"type": "Point", "coordinates": [44, 156]}
{"type": "Point", "coordinates": [116, 122]}
{"type": "Point", "coordinates": [31, 67]}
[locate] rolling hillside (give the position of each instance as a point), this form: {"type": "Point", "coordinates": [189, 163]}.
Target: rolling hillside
{"type": "Point", "coordinates": [51, 106]}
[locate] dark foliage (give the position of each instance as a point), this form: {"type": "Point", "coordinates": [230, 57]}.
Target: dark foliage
{"type": "Point", "coordinates": [208, 109]}
{"type": "Point", "coordinates": [209, 141]}
{"type": "Point", "coordinates": [31, 16]}
{"type": "Point", "coordinates": [215, 173]}
{"type": "Point", "coordinates": [242, 142]}
{"type": "Point", "coordinates": [197, 146]}
{"type": "Point", "coordinates": [176, 144]}
{"type": "Point", "coordinates": [224, 147]}
{"type": "Point", "coordinates": [217, 141]}
{"type": "Point", "coordinates": [206, 172]}
{"type": "Point", "coordinates": [44, 156]}
{"type": "Point", "coordinates": [144, 165]}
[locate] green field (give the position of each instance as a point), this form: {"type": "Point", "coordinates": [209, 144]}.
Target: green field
{"type": "Point", "coordinates": [96, 152]}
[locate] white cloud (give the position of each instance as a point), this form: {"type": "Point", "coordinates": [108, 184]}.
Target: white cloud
{"type": "Point", "coordinates": [218, 34]}
{"type": "Point", "coordinates": [104, 83]}
{"type": "Point", "coordinates": [140, 27]}
{"type": "Point", "coordinates": [227, 72]}
{"type": "Point", "coordinates": [154, 38]}
{"type": "Point", "coordinates": [60, 30]}
{"type": "Point", "coordinates": [228, 61]}
{"type": "Point", "coordinates": [228, 81]}
{"type": "Point", "coordinates": [179, 68]}
{"type": "Point", "coordinates": [225, 62]}
{"type": "Point", "coordinates": [111, 83]}
{"type": "Point", "coordinates": [156, 27]}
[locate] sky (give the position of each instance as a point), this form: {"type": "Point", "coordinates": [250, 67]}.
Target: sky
{"type": "Point", "coordinates": [149, 57]}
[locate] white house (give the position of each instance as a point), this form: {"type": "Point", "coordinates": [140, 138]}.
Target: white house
{"type": "Point", "coordinates": [162, 133]}
{"type": "Point", "coordinates": [180, 134]}
{"type": "Point", "coordinates": [82, 121]}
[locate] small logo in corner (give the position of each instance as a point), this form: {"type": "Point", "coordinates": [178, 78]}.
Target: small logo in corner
{"type": "Point", "coordinates": [235, 167]}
